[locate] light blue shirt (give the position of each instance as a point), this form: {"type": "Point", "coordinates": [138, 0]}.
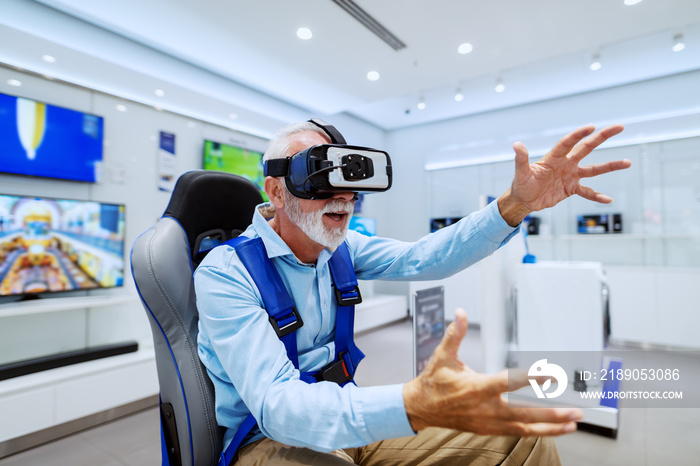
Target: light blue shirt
{"type": "Point", "coordinates": [248, 363]}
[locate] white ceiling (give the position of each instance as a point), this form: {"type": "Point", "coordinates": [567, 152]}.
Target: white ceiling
{"type": "Point", "coordinates": [540, 48]}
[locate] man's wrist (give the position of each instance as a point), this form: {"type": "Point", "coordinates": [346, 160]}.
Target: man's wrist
{"type": "Point", "coordinates": [512, 211]}
{"type": "Point", "coordinates": [411, 399]}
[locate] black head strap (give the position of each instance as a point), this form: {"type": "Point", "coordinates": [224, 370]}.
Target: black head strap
{"type": "Point", "coordinates": [277, 167]}
{"type": "Point", "coordinates": [334, 134]}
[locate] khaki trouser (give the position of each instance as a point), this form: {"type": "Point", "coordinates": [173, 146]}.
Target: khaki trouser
{"type": "Point", "coordinates": [430, 447]}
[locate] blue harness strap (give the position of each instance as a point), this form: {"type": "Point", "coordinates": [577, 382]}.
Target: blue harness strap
{"type": "Point", "coordinates": [347, 294]}
{"type": "Point", "coordinates": [285, 319]}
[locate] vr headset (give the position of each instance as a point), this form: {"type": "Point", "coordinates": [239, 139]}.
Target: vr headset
{"type": "Point", "coordinates": [323, 170]}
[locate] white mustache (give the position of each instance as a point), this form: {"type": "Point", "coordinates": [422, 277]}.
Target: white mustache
{"type": "Point", "coordinates": [338, 206]}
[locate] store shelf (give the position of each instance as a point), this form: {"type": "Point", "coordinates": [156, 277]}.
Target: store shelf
{"type": "Point", "coordinates": [44, 305]}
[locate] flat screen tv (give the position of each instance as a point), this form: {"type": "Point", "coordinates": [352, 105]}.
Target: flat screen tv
{"type": "Point", "coordinates": [237, 160]}
{"type": "Point", "coordinates": [39, 139]}
{"type": "Point", "coordinates": [440, 223]}
{"type": "Point", "coordinates": [52, 245]}
{"type": "Point", "coordinates": [364, 225]}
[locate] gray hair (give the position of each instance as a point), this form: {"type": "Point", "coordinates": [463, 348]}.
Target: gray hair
{"type": "Point", "coordinates": [280, 146]}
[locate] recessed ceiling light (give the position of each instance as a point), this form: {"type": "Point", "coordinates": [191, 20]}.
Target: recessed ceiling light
{"type": "Point", "coordinates": [632, 2]}
{"type": "Point", "coordinates": [121, 107]}
{"type": "Point", "coordinates": [373, 75]}
{"type": "Point", "coordinates": [304, 33]}
{"type": "Point", "coordinates": [49, 58]}
{"type": "Point", "coordinates": [678, 43]}
{"type": "Point", "coordinates": [465, 48]}
{"type": "Point", "coordinates": [500, 87]}
{"type": "Point", "coordinates": [14, 82]}
{"type": "Point", "coordinates": [159, 92]}
{"type": "Point", "coordinates": [191, 124]}
{"type": "Point", "coordinates": [232, 116]}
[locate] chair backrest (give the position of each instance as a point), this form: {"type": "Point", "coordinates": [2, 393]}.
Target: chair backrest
{"type": "Point", "coordinates": [206, 208]}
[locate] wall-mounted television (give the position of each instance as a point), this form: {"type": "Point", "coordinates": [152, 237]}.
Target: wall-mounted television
{"type": "Point", "coordinates": [39, 139]}
{"type": "Point", "coordinates": [439, 223]}
{"type": "Point", "coordinates": [237, 160]}
{"type": "Point", "coordinates": [51, 245]}
{"type": "Point", "coordinates": [364, 225]}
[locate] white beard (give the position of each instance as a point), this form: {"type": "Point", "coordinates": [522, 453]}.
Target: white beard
{"type": "Point", "coordinates": [311, 223]}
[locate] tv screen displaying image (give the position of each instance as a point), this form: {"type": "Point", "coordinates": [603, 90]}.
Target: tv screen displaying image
{"type": "Point", "coordinates": [38, 139]}
{"type": "Point", "coordinates": [244, 162]}
{"type": "Point", "coordinates": [364, 225]}
{"type": "Point", "coordinates": [439, 223]}
{"type": "Point", "coordinates": [51, 245]}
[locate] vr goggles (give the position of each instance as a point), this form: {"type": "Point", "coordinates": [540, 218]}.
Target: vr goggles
{"type": "Point", "coordinates": [323, 170]}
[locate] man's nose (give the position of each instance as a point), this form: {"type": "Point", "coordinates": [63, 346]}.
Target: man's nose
{"type": "Point", "coordinates": [346, 196]}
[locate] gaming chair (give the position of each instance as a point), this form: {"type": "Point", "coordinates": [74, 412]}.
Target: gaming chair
{"type": "Point", "coordinates": [206, 208]}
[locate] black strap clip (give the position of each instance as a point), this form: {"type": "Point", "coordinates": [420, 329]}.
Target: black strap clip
{"type": "Point", "coordinates": [348, 298]}
{"type": "Point", "coordinates": [336, 372]}
{"type": "Point", "coordinates": [287, 328]}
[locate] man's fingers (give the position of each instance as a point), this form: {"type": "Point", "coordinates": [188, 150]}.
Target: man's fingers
{"type": "Point", "coordinates": [594, 141]}
{"type": "Point", "coordinates": [565, 144]}
{"type": "Point", "coordinates": [592, 195]}
{"type": "Point", "coordinates": [599, 169]}
{"type": "Point", "coordinates": [543, 429]}
{"type": "Point", "coordinates": [522, 157]}
{"type": "Point", "coordinates": [455, 333]}
{"type": "Point", "coordinates": [531, 415]}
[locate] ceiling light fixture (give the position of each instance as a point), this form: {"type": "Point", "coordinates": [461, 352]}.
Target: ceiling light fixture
{"type": "Point", "coordinates": [678, 42]}
{"type": "Point", "coordinates": [373, 75]}
{"type": "Point", "coordinates": [304, 33]}
{"type": "Point", "coordinates": [595, 62]}
{"type": "Point", "coordinates": [159, 92]}
{"type": "Point", "coordinates": [421, 104]}
{"type": "Point", "coordinates": [14, 82]}
{"type": "Point", "coordinates": [49, 58]}
{"type": "Point", "coordinates": [378, 29]}
{"type": "Point", "coordinates": [233, 116]}
{"type": "Point", "coordinates": [465, 48]}
{"type": "Point", "coordinates": [458, 95]}
{"type": "Point", "coordinates": [500, 87]}
{"type": "Point", "coordinates": [631, 2]}
{"type": "Point", "coordinates": [121, 107]}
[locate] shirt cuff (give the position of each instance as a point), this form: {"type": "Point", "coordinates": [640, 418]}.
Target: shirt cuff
{"type": "Point", "coordinates": [493, 226]}
{"type": "Point", "coordinates": [385, 414]}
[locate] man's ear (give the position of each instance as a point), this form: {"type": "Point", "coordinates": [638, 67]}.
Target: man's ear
{"type": "Point", "coordinates": [274, 191]}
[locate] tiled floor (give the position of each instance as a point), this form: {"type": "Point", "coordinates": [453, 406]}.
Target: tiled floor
{"type": "Point", "coordinates": [647, 437]}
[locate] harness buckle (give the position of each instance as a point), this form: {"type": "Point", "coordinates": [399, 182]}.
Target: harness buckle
{"type": "Point", "coordinates": [289, 327]}
{"type": "Point", "coordinates": [348, 298]}
{"type": "Point", "coordinates": [335, 371]}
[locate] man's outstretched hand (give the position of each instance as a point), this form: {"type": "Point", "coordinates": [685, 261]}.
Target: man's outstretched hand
{"type": "Point", "coordinates": [449, 394]}
{"type": "Point", "coordinates": [557, 175]}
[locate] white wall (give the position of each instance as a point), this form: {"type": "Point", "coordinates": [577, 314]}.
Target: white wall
{"type": "Point", "coordinates": [129, 176]}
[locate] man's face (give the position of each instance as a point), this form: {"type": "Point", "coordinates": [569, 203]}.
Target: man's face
{"type": "Point", "coordinates": [324, 221]}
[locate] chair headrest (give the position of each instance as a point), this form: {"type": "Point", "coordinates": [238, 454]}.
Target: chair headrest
{"type": "Point", "coordinates": [205, 201]}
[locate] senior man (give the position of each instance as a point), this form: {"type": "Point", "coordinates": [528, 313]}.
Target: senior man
{"type": "Point", "coordinates": [278, 403]}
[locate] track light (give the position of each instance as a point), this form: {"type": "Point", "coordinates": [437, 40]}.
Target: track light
{"type": "Point", "coordinates": [595, 63]}
{"type": "Point", "coordinates": [678, 42]}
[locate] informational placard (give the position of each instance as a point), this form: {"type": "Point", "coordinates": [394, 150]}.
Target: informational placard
{"type": "Point", "coordinates": [166, 162]}
{"type": "Point", "coordinates": [428, 325]}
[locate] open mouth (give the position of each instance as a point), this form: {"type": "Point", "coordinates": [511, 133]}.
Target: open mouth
{"type": "Point", "coordinates": [336, 216]}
